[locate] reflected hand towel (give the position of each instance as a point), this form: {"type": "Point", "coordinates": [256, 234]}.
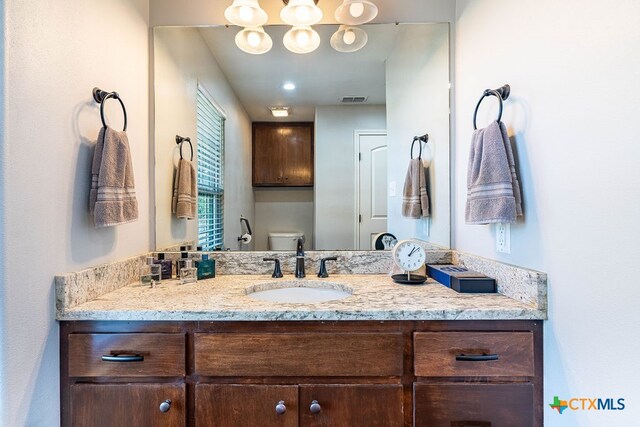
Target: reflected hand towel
{"type": "Point", "coordinates": [184, 190]}
{"type": "Point", "coordinates": [415, 200]}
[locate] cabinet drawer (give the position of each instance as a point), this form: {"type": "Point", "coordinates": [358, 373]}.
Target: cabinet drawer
{"type": "Point", "coordinates": [299, 354]}
{"type": "Point", "coordinates": [104, 355]}
{"type": "Point", "coordinates": [459, 354]}
{"type": "Point", "coordinates": [246, 405]}
{"type": "Point", "coordinates": [473, 405]}
{"type": "Point", "coordinates": [110, 405]}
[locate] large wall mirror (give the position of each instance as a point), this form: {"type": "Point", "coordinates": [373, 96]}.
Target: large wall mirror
{"type": "Point", "coordinates": [206, 87]}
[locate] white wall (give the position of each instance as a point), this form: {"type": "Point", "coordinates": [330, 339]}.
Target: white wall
{"type": "Point", "coordinates": [55, 53]}
{"type": "Point", "coordinates": [335, 208]}
{"type": "Point", "coordinates": [574, 71]}
{"type": "Point", "coordinates": [207, 12]}
{"type": "Point", "coordinates": [181, 60]}
{"type": "Point", "coordinates": [418, 103]}
{"type": "Point", "coordinates": [282, 210]}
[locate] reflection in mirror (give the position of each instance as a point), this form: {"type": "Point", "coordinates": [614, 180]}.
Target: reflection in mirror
{"type": "Point", "coordinates": [339, 183]}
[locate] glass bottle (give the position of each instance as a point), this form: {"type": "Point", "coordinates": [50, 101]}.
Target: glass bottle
{"type": "Point", "coordinates": [206, 267]}
{"type": "Point", "coordinates": [150, 272]}
{"type": "Point", "coordinates": [188, 274]}
{"type": "Point", "coordinates": [166, 266]}
{"type": "Point", "coordinates": [180, 262]}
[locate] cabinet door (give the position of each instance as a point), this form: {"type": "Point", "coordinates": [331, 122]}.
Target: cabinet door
{"type": "Point", "coordinates": [246, 405]}
{"type": "Point", "coordinates": [473, 405]}
{"type": "Point", "coordinates": [351, 405]}
{"type": "Point", "coordinates": [133, 405]}
{"type": "Point", "coordinates": [297, 155]}
{"type": "Point", "coordinates": [283, 154]}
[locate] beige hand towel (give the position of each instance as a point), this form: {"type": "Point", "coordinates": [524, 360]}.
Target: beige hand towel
{"type": "Point", "coordinates": [112, 199]}
{"type": "Point", "coordinates": [493, 189]}
{"type": "Point", "coordinates": [185, 190]}
{"type": "Point", "coordinates": [415, 200]}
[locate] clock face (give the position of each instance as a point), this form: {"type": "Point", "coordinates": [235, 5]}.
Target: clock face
{"type": "Point", "coordinates": [409, 255]}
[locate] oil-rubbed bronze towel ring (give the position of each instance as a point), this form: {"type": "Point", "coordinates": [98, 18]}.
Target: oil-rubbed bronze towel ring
{"type": "Point", "coordinates": [180, 140]}
{"type": "Point", "coordinates": [424, 138]}
{"type": "Point", "coordinates": [502, 93]}
{"type": "Point", "coordinates": [101, 96]}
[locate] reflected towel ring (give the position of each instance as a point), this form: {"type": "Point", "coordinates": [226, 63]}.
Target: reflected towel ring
{"type": "Point", "coordinates": [180, 140]}
{"type": "Point", "coordinates": [502, 93]}
{"type": "Point", "coordinates": [424, 138]}
{"type": "Point", "coordinates": [101, 96]}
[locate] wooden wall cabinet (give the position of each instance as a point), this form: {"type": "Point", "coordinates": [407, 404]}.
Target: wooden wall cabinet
{"type": "Point", "coordinates": [308, 374]}
{"type": "Point", "coordinates": [282, 154]}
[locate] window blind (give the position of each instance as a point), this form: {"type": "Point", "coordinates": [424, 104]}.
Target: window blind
{"type": "Point", "coordinates": [210, 130]}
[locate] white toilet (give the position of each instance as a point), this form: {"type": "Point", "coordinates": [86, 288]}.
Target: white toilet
{"type": "Point", "coordinates": [286, 241]}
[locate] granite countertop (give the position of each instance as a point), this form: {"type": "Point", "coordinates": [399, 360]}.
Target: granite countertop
{"type": "Point", "coordinates": [224, 298]}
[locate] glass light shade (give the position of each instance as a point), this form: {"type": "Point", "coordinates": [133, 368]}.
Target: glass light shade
{"type": "Point", "coordinates": [349, 39]}
{"type": "Point", "coordinates": [301, 40]}
{"type": "Point", "coordinates": [356, 12]}
{"type": "Point", "coordinates": [254, 41]}
{"type": "Point", "coordinates": [301, 13]}
{"type": "Point", "coordinates": [246, 13]}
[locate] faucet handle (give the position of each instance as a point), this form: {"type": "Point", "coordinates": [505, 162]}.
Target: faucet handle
{"type": "Point", "coordinates": [323, 267]}
{"type": "Point", "coordinates": [277, 272]}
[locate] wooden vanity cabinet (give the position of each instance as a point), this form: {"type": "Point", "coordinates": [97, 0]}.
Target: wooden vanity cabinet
{"type": "Point", "coordinates": [298, 373]}
{"type": "Point", "coordinates": [282, 154]}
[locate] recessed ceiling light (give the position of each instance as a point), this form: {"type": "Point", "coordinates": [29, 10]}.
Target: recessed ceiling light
{"type": "Point", "coordinates": [279, 111]}
{"type": "Point", "coordinates": [288, 86]}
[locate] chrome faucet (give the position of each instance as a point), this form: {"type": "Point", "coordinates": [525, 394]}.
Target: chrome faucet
{"type": "Point", "coordinates": [300, 259]}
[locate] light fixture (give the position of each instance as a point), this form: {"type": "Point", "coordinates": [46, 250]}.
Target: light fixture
{"type": "Point", "coordinates": [288, 86]}
{"type": "Point", "coordinates": [246, 13]}
{"type": "Point", "coordinates": [349, 39]}
{"type": "Point", "coordinates": [279, 111]}
{"type": "Point", "coordinates": [301, 40]}
{"type": "Point", "coordinates": [300, 13]}
{"type": "Point", "coordinates": [254, 41]}
{"type": "Point", "coordinates": [356, 12]}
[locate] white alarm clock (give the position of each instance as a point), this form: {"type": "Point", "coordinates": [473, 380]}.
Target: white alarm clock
{"type": "Point", "coordinates": [410, 256]}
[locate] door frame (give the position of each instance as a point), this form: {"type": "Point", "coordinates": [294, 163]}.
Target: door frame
{"type": "Point", "coordinates": [356, 179]}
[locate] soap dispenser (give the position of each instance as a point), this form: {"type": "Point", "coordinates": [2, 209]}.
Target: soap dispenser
{"type": "Point", "coordinates": [150, 272]}
{"type": "Point", "coordinates": [188, 273]}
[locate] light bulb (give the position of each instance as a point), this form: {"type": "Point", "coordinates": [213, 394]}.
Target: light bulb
{"type": "Point", "coordinates": [303, 13]}
{"type": "Point", "coordinates": [253, 38]}
{"type": "Point", "coordinates": [245, 13]}
{"type": "Point", "coordinates": [349, 37]}
{"type": "Point", "coordinates": [356, 10]}
{"type": "Point", "coordinates": [302, 38]}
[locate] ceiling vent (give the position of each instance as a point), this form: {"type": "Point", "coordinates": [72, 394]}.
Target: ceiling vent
{"type": "Point", "coordinates": [353, 99]}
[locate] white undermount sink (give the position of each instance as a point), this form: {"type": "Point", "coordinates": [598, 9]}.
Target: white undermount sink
{"type": "Point", "coordinates": [299, 291]}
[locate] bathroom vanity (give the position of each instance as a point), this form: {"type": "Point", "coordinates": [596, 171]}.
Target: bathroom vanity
{"type": "Point", "coordinates": [324, 373]}
{"type": "Point", "coordinates": [385, 355]}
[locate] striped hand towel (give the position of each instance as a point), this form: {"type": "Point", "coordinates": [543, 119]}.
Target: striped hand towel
{"type": "Point", "coordinates": [493, 190]}
{"type": "Point", "coordinates": [415, 200]}
{"type": "Point", "coordinates": [184, 190]}
{"type": "Point", "coordinates": [112, 199]}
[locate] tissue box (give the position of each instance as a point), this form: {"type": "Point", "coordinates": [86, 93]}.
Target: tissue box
{"type": "Point", "coordinates": [461, 279]}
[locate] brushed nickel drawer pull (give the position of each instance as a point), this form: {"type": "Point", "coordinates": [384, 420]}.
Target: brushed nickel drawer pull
{"type": "Point", "coordinates": [315, 407]}
{"type": "Point", "coordinates": [123, 358]}
{"type": "Point", "coordinates": [476, 357]}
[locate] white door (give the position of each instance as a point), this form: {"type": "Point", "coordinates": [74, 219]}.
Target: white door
{"type": "Point", "coordinates": [372, 187]}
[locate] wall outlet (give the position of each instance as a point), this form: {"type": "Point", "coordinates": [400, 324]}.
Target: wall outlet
{"type": "Point", "coordinates": [392, 189]}
{"type": "Point", "coordinates": [503, 238]}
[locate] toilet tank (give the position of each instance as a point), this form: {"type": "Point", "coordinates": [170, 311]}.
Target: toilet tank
{"type": "Point", "coordinates": [285, 241]}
